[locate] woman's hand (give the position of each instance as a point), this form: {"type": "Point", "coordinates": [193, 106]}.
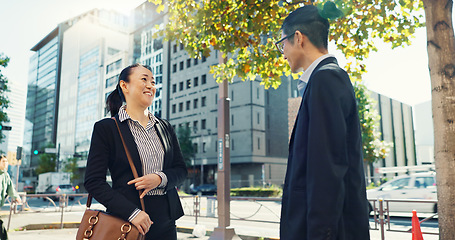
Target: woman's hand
{"type": "Point", "coordinates": [147, 182]}
{"type": "Point", "coordinates": [17, 200]}
{"type": "Point", "coordinates": [142, 222]}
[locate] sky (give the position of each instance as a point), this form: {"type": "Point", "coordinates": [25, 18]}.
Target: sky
{"type": "Point", "coordinates": [401, 74]}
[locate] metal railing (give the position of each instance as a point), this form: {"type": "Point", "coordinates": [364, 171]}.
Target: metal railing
{"type": "Point", "coordinates": [262, 209]}
{"type": "Point", "coordinates": [381, 215]}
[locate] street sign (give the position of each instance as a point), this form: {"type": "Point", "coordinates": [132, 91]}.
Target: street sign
{"type": "Point", "coordinates": [50, 150]}
{"type": "Point", "coordinates": [220, 154]}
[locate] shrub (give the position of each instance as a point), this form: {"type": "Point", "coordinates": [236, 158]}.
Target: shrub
{"type": "Point", "coordinates": [256, 192]}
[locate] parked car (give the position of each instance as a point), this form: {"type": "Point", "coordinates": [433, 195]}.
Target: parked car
{"type": "Point", "coordinates": [60, 189]}
{"type": "Point", "coordinates": [204, 189]}
{"type": "Point", "coordinates": [414, 186]}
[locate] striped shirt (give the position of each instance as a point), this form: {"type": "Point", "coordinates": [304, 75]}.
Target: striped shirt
{"type": "Point", "coordinates": [151, 151]}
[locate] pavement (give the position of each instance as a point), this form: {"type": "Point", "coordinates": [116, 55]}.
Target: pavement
{"type": "Point", "coordinates": [45, 225]}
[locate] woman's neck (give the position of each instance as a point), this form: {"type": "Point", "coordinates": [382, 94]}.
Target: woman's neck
{"type": "Point", "coordinates": [138, 114]}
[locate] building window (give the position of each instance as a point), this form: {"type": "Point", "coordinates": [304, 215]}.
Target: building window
{"type": "Point", "coordinates": [180, 86]}
{"type": "Point", "coordinates": [204, 59]}
{"type": "Point", "coordinates": [196, 81]}
{"type": "Point", "coordinates": [174, 88]}
{"type": "Point", "coordinates": [195, 126]}
{"type": "Point", "coordinates": [173, 108]}
{"type": "Point", "coordinates": [232, 95]}
{"type": "Point", "coordinates": [216, 98]}
{"type": "Point", "coordinates": [180, 107]}
{"type": "Point", "coordinates": [204, 79]}
{"type": "Point", "coordinates": [159, 80]}
{"type": "Point", "coordinates": [158, 58]}
{"type": "Point", "coordinates": [203, 101]}
{"type": "Point", "coordinates": [195, 61]}
{"type": "Point", "coordinates": [181, 46]}
{"type": "Point", "coordinates": [195, 103]}
{"type": "Point", "coordinates": [188, 63]}
{"type": "Point", "coordinates": [175, 48]}
{"type": "Point", "coordinates": [232, 144]}
{"type": "Point", "coordinates": [188, 83]}
{"type": "Point", "coordinates": [111, 81]}
{"type": "Point", "coordinates": [203, 147]}
{"type": "Point", "coordinates": [181, 65]}
{"type": "Point", "coordinates": [216, 122]}
{"type": "Point", "coordinates": [232, 120]}
{"type": "Point", "coordinates": [259, 143]}
{"type": "Point", "coordinates": [203, 125]}
{"type": "Point", "coordinates": [174, 68]}
{"type": "Point", "coordinates": [259, 118]}
{"type": "Point", "coordinates": [195, 147]}
{"type": "Point", "coordinates": [188, 103]}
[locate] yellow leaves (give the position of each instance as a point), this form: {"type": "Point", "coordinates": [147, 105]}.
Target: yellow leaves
{"type": "Point", "coordinates": [213, 41]}
{"type": "Point", "coordinates": [246, 68]}
{"type": "Point", "coordinates": [160, 8]}
{"type": "Point", "coordinates": [235, 27]}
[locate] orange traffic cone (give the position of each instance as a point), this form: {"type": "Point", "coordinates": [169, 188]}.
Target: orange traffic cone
{"type": "Point", "coordinates": [416, 232]}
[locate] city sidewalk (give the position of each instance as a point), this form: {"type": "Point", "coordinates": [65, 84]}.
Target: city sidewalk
{"type": "Point", "coordinates": [247, 230]}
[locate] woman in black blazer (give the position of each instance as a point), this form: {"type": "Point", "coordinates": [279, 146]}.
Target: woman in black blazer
{"type": "Point", "coordinates": [155, 153]}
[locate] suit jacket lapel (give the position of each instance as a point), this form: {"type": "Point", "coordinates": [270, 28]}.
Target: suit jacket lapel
{"type": "Point", "coordinates": [131, 145]}
{"type": "Point", "coordinates": [164, 138]}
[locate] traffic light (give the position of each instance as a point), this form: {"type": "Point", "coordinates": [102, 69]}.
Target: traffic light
{"type": "Point", "coordinates": [18, 152]}
{"type": "Point", "coordinates": [36, 152]}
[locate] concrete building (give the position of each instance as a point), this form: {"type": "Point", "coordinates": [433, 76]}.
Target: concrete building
{"type": "Point", "coordinates": [188, 97]}
{"type": "Point", "coordinates": [396, 127]}
{"type": "Point", "coordinates": [424, 133]}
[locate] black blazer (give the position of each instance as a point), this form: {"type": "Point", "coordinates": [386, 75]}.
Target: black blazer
{"type": "Point", "coordinates": [107, 153]}
{"type": "Point", "coordinates": [324, 195]}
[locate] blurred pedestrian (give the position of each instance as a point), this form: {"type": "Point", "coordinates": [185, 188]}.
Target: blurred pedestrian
{"type": "Point", "coordinates": [6, 189]}
{"type": "Point", "coordinates": [324, 194]}
{"type": "Point", "coordinates": [155, 153]}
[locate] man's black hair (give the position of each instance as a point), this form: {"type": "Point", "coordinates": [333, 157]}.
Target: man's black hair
{"type": "Point", "coordinates": [308, 21]}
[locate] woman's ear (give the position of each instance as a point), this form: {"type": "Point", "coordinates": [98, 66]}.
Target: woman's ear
{"type": "Point", "coordinates": [123, 86]}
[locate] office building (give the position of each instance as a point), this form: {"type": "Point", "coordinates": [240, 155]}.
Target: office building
{"type": "Point", "coordinates": [94, 52]}
{"type": "Point", "coordinates": [43, 90]}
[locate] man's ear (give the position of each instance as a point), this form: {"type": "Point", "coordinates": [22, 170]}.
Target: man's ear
{"type": "Point", "coordinates": [300, 38]}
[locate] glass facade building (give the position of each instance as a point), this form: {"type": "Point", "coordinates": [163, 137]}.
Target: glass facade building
{"type": "Point", "coordinates": [152, 55]}
{"type": "Point", "coordinates": [42, 95]}
{"type": "Point", "coordinates": [88, 90]}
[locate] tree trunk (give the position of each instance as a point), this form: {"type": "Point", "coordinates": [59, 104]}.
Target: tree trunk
{"type": "Point", "coordinates": [441, 56]}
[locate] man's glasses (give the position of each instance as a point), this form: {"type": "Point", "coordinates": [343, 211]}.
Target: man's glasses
{"type": "Point", "coordinates": [280, 44]}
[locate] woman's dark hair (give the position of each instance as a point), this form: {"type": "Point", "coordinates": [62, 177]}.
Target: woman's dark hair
{"type": "Point", "coordinates": [116, 98]}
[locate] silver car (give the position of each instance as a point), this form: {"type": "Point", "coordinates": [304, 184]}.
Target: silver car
{"type": "Point", "coordinates": [61, 189]}
{"type": "Point", "coordinates": [414, 186]}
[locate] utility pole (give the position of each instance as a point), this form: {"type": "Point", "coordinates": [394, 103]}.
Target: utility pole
{"type": "Point", "coordinates": [223, 231]}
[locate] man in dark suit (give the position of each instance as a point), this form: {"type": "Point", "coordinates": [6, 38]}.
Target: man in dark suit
{"type": "Point", "coordinates": [324, 195]}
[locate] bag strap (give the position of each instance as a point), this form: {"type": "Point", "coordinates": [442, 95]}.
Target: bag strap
{"type": "Point", "coordinates": [133, 169]}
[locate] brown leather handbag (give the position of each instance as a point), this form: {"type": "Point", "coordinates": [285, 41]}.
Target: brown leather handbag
{"type": "Point", "coordinates": [99, 225]}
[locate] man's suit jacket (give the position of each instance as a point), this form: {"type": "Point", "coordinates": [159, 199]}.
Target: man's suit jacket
{"type": "Point", "coordinates": [107, 153]}
{"type": "Point", "coordinates": [324, 195]}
